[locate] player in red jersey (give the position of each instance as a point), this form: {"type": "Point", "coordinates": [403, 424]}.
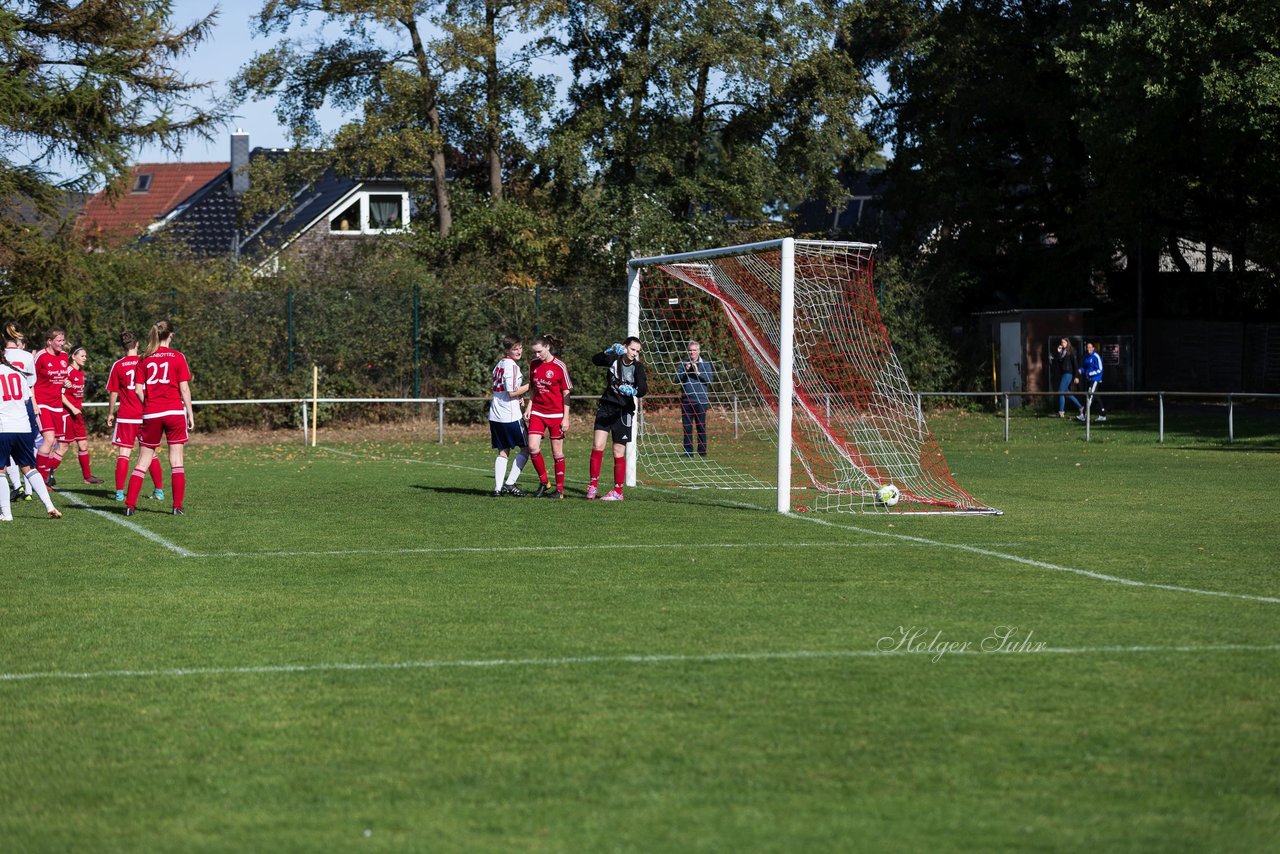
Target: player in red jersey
{"type": "Point", "coordinates": [51, 367]}
{"type": "Point", "coordinates": [126, 424]}
{"type": "Point", "coordinates": [166, 413]}
{"type": "Point", "coordinates": [73, 429]}
{"type": "Point", "coordinates": [548, 412]}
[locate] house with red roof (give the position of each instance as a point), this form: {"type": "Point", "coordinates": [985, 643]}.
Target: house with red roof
{"type": "Point", "coordinates": [154, 190]}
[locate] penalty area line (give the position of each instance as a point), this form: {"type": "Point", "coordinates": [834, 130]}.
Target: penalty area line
{"type": "Point", "coordinates": [124, 522]}
{"type": "Point", "coordinates": [561, 547]}
{"type": "Point", "coordinates": [581, 660]}
{"type": "Point", "coordinates": [1040, 564]}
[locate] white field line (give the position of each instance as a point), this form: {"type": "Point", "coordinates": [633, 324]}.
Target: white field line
{"type": "Point", "coordinates": [552, 547]}
{"type": "Point", "coordinates": [123, 521]}
{"type": "Point", "coordinates": [1112, 579]}
{"type": "Point", "coordinates": [925, 541]}
{"type": "Point", "coordinates": [580, 660]}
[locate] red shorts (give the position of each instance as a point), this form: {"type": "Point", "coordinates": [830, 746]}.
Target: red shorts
{"type": "Point", "coordinates": [172, 428]}
{"type": "Point", "coordinates": [73, 428]}
{"type": "Point", "coordinates": [126, 433]}
{"type": "Point", "coordinates": [539, 425]}
{"type": "Point", "coordinates": [52, 420]}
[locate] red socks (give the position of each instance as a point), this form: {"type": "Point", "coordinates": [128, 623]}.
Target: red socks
{"type": "Point", "coordinates": [559, 464]}
{"type": "Point", "coordinates": [135, 486]}
{"type": "Point", "coordinates": [178, 476]}
{"type": "Point", "coordinates": [597, 459]}
{"type": "Point", "coordinates": [619, 473]}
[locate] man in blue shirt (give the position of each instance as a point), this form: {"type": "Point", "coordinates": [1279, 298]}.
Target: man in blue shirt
{"type": "Point", "coordinates": [694, 377]}
{"type": "Point", "coordinates": [1092, 371]}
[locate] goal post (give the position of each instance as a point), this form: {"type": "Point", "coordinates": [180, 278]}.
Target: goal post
{"type": "Point", "coordinates": [805, 397]}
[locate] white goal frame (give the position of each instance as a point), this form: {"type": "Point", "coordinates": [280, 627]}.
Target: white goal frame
{"type": "Point", "coordinates": [786, 249]}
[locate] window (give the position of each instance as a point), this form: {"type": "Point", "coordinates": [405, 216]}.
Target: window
{"type": "Point", "coordinates": [385, 211]}
{"type": "Point", "coordinates": [348, 219]}
{"type": "Point", "coordinates": [141, 183]}
{"type": "Point", "coordinates": [372, 213]}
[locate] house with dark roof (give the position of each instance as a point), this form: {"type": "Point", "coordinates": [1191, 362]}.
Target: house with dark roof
{"type": "Point", "coordinates": [859, 215]}
{"type": "Point", "coordinates": [324, 216]}
{"type": "Point", "coordinates": [154, 190]}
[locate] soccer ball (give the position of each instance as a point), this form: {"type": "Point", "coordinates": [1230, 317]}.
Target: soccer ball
{"type": "Point", "coordinates": [888, 495]}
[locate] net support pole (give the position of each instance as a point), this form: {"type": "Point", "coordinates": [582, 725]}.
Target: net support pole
{"type": "Point", "coordinates": [315, 403]}
{"type": "Point", "coordinates": [633, 329]}
{"type": "Point", "coordinates": [786, 386]}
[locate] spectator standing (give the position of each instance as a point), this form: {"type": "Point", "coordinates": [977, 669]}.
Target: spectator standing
{"type": "Point", "coordinates": [694, 377]}
{"type": "Point", "coordinates": [1067, 366]}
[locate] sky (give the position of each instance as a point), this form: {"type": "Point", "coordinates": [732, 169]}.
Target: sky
{"type": "Point", "coordinates": [217, 60]}
{"type": "Point", "coordinates": [233, 43]}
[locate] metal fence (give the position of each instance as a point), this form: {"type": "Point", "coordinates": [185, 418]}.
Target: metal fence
{"type": "Point", "coordinates": [1001, 399]}
{"type": "Point", "coordinates": [308, 406]}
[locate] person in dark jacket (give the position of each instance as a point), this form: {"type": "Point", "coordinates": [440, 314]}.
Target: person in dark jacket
{"type": "Point", "coordinates": [694, 378]}
{"type": "Point", "coordinates": [1067, 365]}
{"type": "Point", "coordinates": [615, 413]}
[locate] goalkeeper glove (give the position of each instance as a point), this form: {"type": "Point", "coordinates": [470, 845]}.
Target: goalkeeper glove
{"type": "Point", "coordinates": [627, 390]}
{"type": "Point", "coordinates": [616, 350]}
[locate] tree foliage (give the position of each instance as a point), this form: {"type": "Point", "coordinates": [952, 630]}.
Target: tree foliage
{"type": "Point", "coordinates": [85, 84]}
{"type": "Point", "coordinates": [1035, 143]}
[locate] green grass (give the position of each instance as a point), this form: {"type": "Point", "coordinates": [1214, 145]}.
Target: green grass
{"type": "Point", "coordinates": [605, 680]}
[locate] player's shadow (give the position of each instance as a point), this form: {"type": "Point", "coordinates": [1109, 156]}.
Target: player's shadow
{"type": "Point", "coordinates": [450, 490]}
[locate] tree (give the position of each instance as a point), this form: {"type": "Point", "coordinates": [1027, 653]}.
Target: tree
{"type": "Point", "coordinates": [83, 86]}
{"type": "Point", "coordinates": [1179, 109]}
{"type": "Point", "coordinates": [493, 96]}
{"type": "Point", "coordinates": [988, 166]}
{"type": "Point", "coordinates": [713, 110]}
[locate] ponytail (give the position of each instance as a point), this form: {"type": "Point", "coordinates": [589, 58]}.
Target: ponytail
{"type": "Point", "coordinates": [550, 342]}
{"type": "Point", "coordinates": [161, 330]}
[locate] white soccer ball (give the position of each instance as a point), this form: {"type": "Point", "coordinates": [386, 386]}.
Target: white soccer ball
{"type": "Point", "coordinates": [888, 495]}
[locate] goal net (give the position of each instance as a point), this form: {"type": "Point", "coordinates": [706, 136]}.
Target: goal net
{"type": "Point", "coordinates": [805, 395]}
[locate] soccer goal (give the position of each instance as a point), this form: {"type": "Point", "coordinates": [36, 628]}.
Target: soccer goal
{"type": "Point", "coordinates": [806, 397]}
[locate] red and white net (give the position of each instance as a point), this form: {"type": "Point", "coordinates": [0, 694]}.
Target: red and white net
{"type": "Point", "coordinates": [856, 424]}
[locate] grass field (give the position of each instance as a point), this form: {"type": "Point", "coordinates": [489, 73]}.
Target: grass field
{"type": "Point", "coordinates": [353, 647]}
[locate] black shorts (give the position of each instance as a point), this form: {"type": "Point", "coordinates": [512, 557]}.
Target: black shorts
{"type": "Point", "coordinates": [616, 422]}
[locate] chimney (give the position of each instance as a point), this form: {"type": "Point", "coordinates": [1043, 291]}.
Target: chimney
{"type": "Point", "coordinates": [239, 161]}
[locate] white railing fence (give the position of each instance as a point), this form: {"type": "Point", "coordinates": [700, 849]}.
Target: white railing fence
{"type": "Point", "coordinates": [308, 405]}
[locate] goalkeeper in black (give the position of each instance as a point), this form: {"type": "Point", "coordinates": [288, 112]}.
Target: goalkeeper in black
{"type": "Point", "coordinates": [616, 412]}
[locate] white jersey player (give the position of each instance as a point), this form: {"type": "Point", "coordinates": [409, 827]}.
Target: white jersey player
{"type": "Point", "coordinates": [506, 426]}
{"type": "Point", "coordinates": [15, 438]}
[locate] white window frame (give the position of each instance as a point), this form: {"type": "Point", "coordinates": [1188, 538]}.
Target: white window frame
{"type": "Point", "coordinates": [362, 199]}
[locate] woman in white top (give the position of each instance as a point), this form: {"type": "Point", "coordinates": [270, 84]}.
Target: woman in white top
{"type": "Point", "coordinates": [506, 423]}
{"type": "Point", "coordinates": [15, 352]}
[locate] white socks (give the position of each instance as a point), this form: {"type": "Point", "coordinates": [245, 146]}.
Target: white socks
{"type": "Point", "coordinates": [35, 485]}
{"type": "Point", "coordinates": [517, 466]}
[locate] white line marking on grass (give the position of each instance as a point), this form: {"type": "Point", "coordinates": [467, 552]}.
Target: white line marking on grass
{"type": "Point", "coordinates": [561, 547]}
{"type": "Point", "coordinates": [1114, 579]}
{"type": "Point", "coordinates": [704, 658]}
{"type": "Point", "coordinates": [924, 541]}
{"type": "Point", "coordinates": [123, 521]}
